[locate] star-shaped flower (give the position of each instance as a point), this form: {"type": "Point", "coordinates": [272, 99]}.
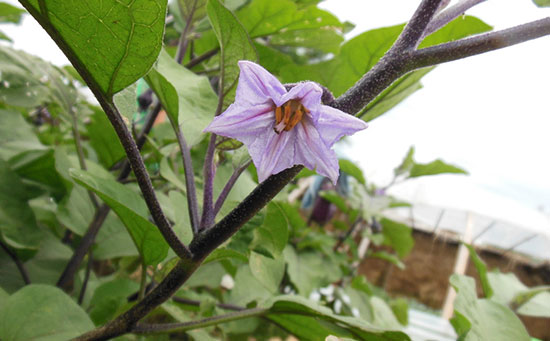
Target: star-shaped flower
{"type": "Point", "coordinates": [284, 128]}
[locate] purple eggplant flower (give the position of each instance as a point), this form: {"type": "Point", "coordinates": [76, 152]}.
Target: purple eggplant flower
{"type": "Point", "coordinates": [284, 128]}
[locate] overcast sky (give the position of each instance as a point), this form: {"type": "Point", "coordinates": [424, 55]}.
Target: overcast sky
{"type": "Point", "coordinates": [489, 114]}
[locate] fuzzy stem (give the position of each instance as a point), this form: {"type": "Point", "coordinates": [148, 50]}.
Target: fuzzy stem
{"type": "Point", "coordinates": [228, 186]}
{"type": "Point", "coordinates": [202, 323]}
{"type": "Point", "coordinates": [448, 15]}
{"type": "Point", "coordinates": [209, 172]}
{"type": "Point", "coordinates": [189, 180]}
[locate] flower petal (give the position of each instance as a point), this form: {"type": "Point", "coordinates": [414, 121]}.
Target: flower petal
{"type": "Point", "coordinates": [332, 124]}
{"type": "Point", "coordinates": [257, 85]}
{"type": "Point", "coordinates": [308, 93]}
{"type": "Point", "coordinates": [275, 156]}
{"type": "Point", "coordinates": [240, 121]}
{"type": "Point", "coordinates": [312, 152]}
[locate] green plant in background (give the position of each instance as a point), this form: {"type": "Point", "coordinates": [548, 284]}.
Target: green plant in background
{"type": "Point", "coordinates": [116, 226]}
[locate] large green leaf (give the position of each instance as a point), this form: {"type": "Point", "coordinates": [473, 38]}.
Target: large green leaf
{"type": "Point", "coordinates": [42, 312]}
{"type": "Point", "coordinates": [109, 297]}
{"type": "Point", "coordinates": [115, 42]}
{"type": "Point", "coordinates": [481, 268]}
{"type": "Point", "coordinates": [398, 236]}
{"type": "Point", "coordinates": [542, 3]}
{"type": "Point", "coordinates": [235, 45]}
{"type": "Point", "coordinates": [16, 135]}
{"type": "Point", "coordinates": [113, 240]}
{"type": "Point", "coordinates": [131, 209]}
{"type": "Point", "coordinates": [37, 167]}
{"type": "Point", "coordinates": [434, 168]}
{"type": "Point", "coordinates": [104, 139]}
{"type": "Point", "coordinates": [9, 13]}
{"type": "Point", "coordinates": [272, 236]}
{"type": "Point", "coordinates": [510, 291]}
{"type": "Point", "coordinates": [266, 17]}
{"type": "Point", "coordinates": [17, 221]}
{"type": "Point", "coordinates": [268, 271]}
{"type": "Point", "coordinates": [310, 270]}
{"type": "Point", "coordinates": [303, 318]}
{"type": "Point", "coordinates": [188, 99]}
{"type": "Point", "coordinates": [485, 319]}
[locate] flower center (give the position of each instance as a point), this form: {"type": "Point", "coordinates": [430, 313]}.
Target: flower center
{"type": "Point", "coordinates": [288, 115]}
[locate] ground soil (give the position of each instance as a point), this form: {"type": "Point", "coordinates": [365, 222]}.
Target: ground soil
{"type": "Point", "coordinates": [431, 262]}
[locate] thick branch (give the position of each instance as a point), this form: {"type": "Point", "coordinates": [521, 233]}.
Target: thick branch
{"type": "Point", "coordinates": [478, 44]}
{"type": "Point", "coordinates": [409, 38]}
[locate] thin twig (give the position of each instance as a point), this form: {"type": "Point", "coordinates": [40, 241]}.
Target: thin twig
{"type": "Point", "coordinates": [86, 278]}
{"type": "Point", "coordinates": [448, 15]}
{"type": "Point", "coordinates": [143, 280]}
{"type": "Point", "coordinates": [195, 303]}
{"type": "Point", "coordinates": [86, 242]}
{"type": "Point", "coordinates": [228, 186]}
{"type": "Point", "coordinates": [202, 323]}
{"type": "Point", "coordinates": [192, 204]}
{"type": "Point", "coordinates": [208, 54]}
{"type": "Point", "coordinates": [80, 152]}
{"type": "Point", "coordinates": [20, 266]}
{"type": "Point", "coordinates": [183, 41]}
{"type": "Point", "coordinates": [209, 172]}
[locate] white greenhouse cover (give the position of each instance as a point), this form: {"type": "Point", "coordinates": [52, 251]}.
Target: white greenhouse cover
{"type": "Point", "coordinates": [446, 203]}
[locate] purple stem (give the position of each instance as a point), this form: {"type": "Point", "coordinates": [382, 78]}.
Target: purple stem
{"type": "Point", "coordinates": [209, 171]}
{"type": "Point", "coordinates": [228, 186]}
{"type": "Point", "coordinates": [448, 15]}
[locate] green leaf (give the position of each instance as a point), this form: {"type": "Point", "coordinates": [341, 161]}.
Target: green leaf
{"type": "Point", "coordinates": [508, 290]}
{"type": "Point", "coordinates": [109, 297]}
{"type": "Point", "coordinates": [302, 317]}
{"type": "Point", "coordinates": [269, 272]}
{"type": "Point", "coordinates": [224, 253]}
{"type": "Point", "coordinates": [327, 41]}
{"type": "Point", "coordinates": [126, 103]}
{"type": "Point", "coordinates": [247, 288]}
{"type": "Point", "coordinates": [38, 168]}
{"type": "Point", "coordinates": [193, 10]}
{"type": "Point", "coordinates": [42, 312]}
{"type": "Point", "coordinates": [3, 36]}
{"type": "Point", "coordinates": [49, 261]}
{"type": "Point", "coordinates": [113, 240]}
{"type": "Point", "coordinates": [394, 94]}
{"type": "Point", "coordinates": [131, 209]}
{"type": "Point", "coordinates": [265, 17]}
{"type": "Point", "coordinates": [16, 135]}
{"type": "Point", "coordinates": [104, 139]}
{"type": "Point", "coordinates": [273, 234]}
{"type": "Point", "coordinates": [389, 257]}
{"type": "Point", "coordinates": [9, 13]}
{"type": "Point", "coordinates": [489, 320]}
{"type": "Point", "coordinates": [188, 99]}
{"type": "Point", "coordinates": [235, 45]}
{"type": "Point", "coordinates": [407, 163]}
{"type": "Point", "coordinates": [398, 236]}
{"type": "Point", "coordinates": [114, 42]}
{"type": "Point", "coordinates": [350, 168]}
{"type": "Point", "coordinates": [17, 221]}
{"type": "Point", "coordinates": [481, 270]}
{"type": "Point", "coordinates": [310, 270]}
{"type": "Point", "coordinates": [542, 3]}
{"type": "Point", "coordinates": [76, 211]}
{"type": "Point", "coordinates": [434, 168]}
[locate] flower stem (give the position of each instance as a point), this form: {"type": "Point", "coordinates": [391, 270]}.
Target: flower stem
{"type": "Point", "coordinates": [202, 323]}
{"type": "Point", "coordinates": [228, 186]}
{"type": "Point", "coordinates": [209, 172]}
